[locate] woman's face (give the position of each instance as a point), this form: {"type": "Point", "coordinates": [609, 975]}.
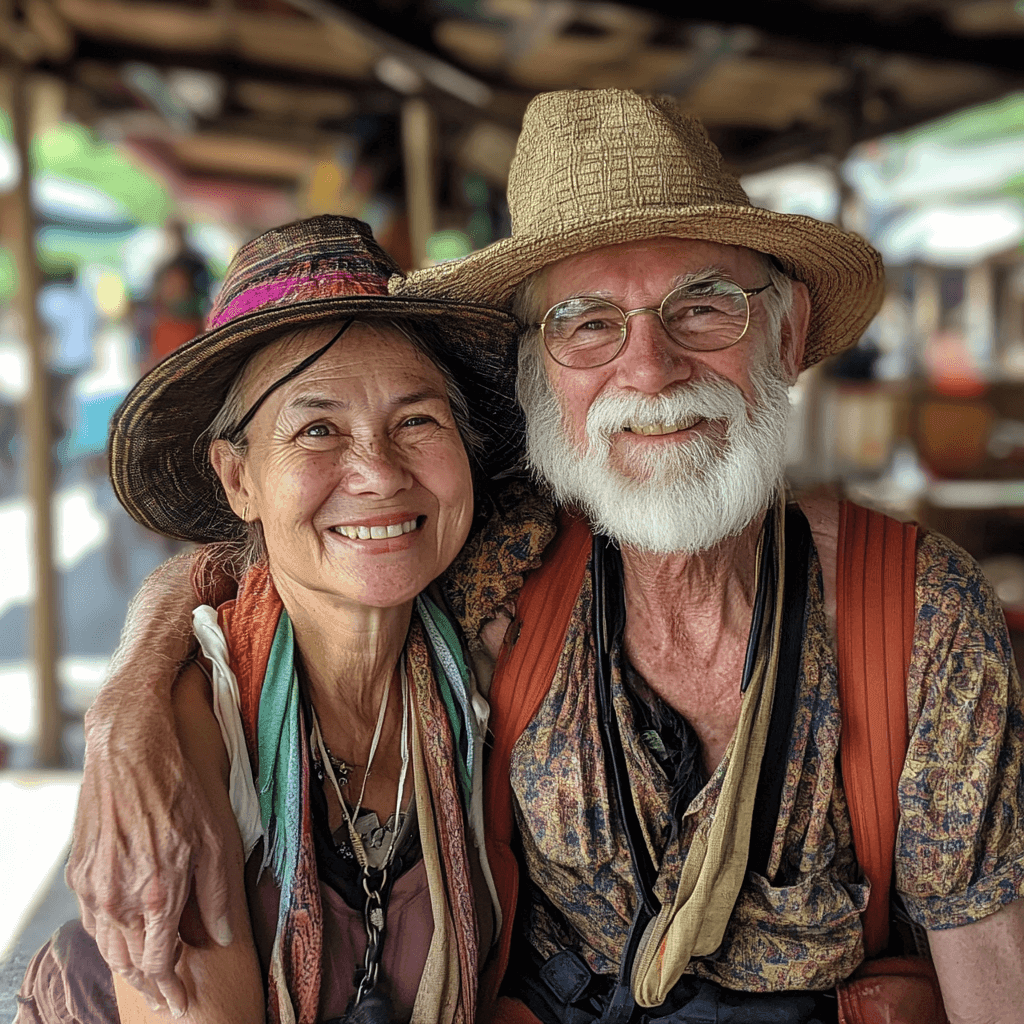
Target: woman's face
{"type": "Point", "coordinates": [355, 469]}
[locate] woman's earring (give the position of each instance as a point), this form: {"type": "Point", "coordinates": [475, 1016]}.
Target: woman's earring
{"type": "Point", "coordinates": [245, 513]}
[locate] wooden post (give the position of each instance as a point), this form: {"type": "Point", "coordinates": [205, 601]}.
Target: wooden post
{"type": "Point", "coordinates": [37, 430]}
{"type": "Point", "coordinates": [980, 316]}
{"type": "Point", "coordinates": [418, 157]}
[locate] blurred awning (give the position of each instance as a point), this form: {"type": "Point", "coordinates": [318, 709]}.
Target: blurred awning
{"type": "Point", "coordinates": [274, 91]}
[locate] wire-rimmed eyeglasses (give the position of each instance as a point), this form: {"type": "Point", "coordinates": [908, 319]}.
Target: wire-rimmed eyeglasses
{"type": "Point", "coordinates": [703, 316]}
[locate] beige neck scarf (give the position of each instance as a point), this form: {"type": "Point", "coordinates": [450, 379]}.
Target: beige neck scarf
{"type": "Point", "coordinates": [694, 923]}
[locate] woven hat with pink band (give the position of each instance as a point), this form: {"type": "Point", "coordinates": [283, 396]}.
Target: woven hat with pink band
{"type": "Point", "coordinates": [316, 271]}
{"type": "Point", "coordinates": [597, 167]}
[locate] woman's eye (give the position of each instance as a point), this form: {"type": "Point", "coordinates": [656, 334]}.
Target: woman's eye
{"type": "Point", "coordinates": [317, 430]}
{"type": "Point", "coordinates": [417, 421]}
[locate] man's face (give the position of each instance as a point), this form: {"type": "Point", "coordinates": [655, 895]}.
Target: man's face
{"type": "Point", "coordinates": [640, 274]}
{"type": "Point", "coordinates": [668, 449]}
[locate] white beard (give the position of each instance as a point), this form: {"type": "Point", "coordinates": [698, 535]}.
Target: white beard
{"type": "Point", "coordinates": [683, 497]}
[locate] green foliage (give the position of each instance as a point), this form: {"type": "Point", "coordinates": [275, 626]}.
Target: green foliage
{"type": "Point", "coordinates": [973, 125]}
{"type": "Point", "coordinates": [8, 275]}
{"type": "Point", "coordinates": [72, 151]}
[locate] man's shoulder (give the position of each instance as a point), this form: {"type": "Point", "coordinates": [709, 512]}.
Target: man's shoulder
{"type": "Point", "coordinates": [949, 578]}
{"type": "Point", "coordinates": [517, 522]}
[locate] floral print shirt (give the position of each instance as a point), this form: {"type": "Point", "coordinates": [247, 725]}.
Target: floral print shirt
{"type": "Point", "coordinates": [960, 845]}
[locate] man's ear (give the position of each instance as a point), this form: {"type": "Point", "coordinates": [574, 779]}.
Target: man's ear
{"type": "Point", "coordinates": [229, 465]}
{"type": "Point", "coordinates": [794, 331]}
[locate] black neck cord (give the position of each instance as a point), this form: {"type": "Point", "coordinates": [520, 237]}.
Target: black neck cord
{"type": "Point", "coordinates": [290, 375]}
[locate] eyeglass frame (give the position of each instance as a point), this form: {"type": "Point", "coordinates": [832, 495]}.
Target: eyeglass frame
{"type": "Point", "coordinates": [747, 293]}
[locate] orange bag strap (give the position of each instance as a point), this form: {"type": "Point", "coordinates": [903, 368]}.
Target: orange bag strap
{"type": "Point", "coordinates": [875, 615]}
{"type": "Point", "coordinates": [522, 678]}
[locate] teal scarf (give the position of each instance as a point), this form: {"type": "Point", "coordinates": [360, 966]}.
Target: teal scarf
{"type": "Point", "coordinates": [280, 735]}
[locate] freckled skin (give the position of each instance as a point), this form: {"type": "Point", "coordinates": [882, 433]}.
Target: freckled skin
{"type": "Point", "coordinates": [364, 436]}
{"type": "Point", "coordinates": [366, 432]}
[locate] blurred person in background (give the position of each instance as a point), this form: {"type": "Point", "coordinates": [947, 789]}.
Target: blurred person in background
{"type": "Point", "coordinates": [173, 311]}
{"type": "Point", "coordinates": [69, 316]}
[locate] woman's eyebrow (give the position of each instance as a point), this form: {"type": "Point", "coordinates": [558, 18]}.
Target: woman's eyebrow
{"type": "Point", "coordinates": [425, 394]}
{"type": "Point", "coordinates": [327, 404]}
{"type": "Point", "coordinates": [316, 402]}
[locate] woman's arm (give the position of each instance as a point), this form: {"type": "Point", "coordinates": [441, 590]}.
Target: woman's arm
{"type": "Point", "coordinates": [144, 829]}
{"type": "Point", "coordinates": [223, 983]}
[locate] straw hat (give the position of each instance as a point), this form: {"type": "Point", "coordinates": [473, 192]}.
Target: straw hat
{"type": "Point", "coordinates": [593, 168]}
{"type": "Point", "coordinates": [306, 273]}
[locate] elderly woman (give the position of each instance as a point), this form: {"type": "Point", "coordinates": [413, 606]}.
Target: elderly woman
{"type": "Point", "coordinates": [328, 431]}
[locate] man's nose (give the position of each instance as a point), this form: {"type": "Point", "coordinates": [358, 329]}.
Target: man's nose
{"type": "Point", "coordinates": [650, 359]}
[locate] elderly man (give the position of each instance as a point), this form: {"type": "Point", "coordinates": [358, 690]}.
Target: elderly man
{"type": "Point", "coordinates": [666, 320]}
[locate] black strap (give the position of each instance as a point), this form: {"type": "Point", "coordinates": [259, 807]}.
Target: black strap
{"type": "Point", "coordinates": [609, 621]}
{"type": "Point", "coordinates": [780, 728]}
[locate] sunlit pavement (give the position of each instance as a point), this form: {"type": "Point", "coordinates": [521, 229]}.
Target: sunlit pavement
{"type": "Point", "coordinates": [102, 557]}
{"type": "Point", "coordinates": [44, 804]}
{"type": "Point", "coordinates": [38, 810]}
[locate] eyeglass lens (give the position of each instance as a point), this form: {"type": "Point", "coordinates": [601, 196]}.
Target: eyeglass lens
{"type": "Point", "coordinates": [705, 316]}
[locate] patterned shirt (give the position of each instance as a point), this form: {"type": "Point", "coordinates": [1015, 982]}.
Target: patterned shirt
{"type": "Point", "coordinates": [960, 845]}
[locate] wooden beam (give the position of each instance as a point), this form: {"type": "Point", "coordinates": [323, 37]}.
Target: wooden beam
{"type": "Point", "coordinates": [418, 157]}
{"type": "Point", "coordinates": [297, 43]}
{"type": "Point", "coordinates": [245, 157]}
{"type": "Point", "coordinates": [439, 73]}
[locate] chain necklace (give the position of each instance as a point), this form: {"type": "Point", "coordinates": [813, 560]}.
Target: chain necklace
{"type": "Point", "coordinates": [374, 881]}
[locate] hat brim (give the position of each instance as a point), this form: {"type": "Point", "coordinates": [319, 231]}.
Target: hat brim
{"type": "Point", "coordinates": [158, 459]}
{"type": "Point", "coordinates": [842, 272]}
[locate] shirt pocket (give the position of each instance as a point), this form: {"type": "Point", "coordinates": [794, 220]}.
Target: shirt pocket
{"type": "Point", "coordinates": [802, 936]}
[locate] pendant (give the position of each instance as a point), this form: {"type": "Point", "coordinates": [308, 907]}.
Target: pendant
{"type": "Point", "coordinates": [373, 1008]}
{"type": "Point", "coordinates": [342, 769]}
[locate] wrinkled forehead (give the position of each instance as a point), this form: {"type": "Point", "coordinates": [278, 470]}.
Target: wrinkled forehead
{"type": "Point", "coordinates": [649, 264]}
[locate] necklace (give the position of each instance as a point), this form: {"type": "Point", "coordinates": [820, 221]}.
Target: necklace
{"type": "Point", "coordinates": [342, 769]}
{"type": "Point", "coordinates": [374, 880]}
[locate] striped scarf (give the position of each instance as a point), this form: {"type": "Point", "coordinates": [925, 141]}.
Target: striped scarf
{"type": "Point", "coordinates": [262, 646]}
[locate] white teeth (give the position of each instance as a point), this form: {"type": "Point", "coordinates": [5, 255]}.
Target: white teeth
{"type": "Point", "coordinates": [653, 429]}
{"type": "Point", "coordinates": [376, 532]}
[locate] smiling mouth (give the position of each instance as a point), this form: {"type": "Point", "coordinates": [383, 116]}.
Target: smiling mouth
{"type": "Point", "coordinates": [359, 531]}
{"type": "Point", "coordinates": [656, 429]}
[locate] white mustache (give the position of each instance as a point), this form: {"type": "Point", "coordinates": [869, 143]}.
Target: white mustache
{"type": "Point", "coordinates": [705, 399]}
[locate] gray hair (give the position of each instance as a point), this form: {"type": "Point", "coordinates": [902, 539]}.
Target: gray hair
{"type": "Point", "coordinates": [251, 549]}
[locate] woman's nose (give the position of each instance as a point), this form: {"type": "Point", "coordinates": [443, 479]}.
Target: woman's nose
{"type": "Point", "coordinates": [376, 467]}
